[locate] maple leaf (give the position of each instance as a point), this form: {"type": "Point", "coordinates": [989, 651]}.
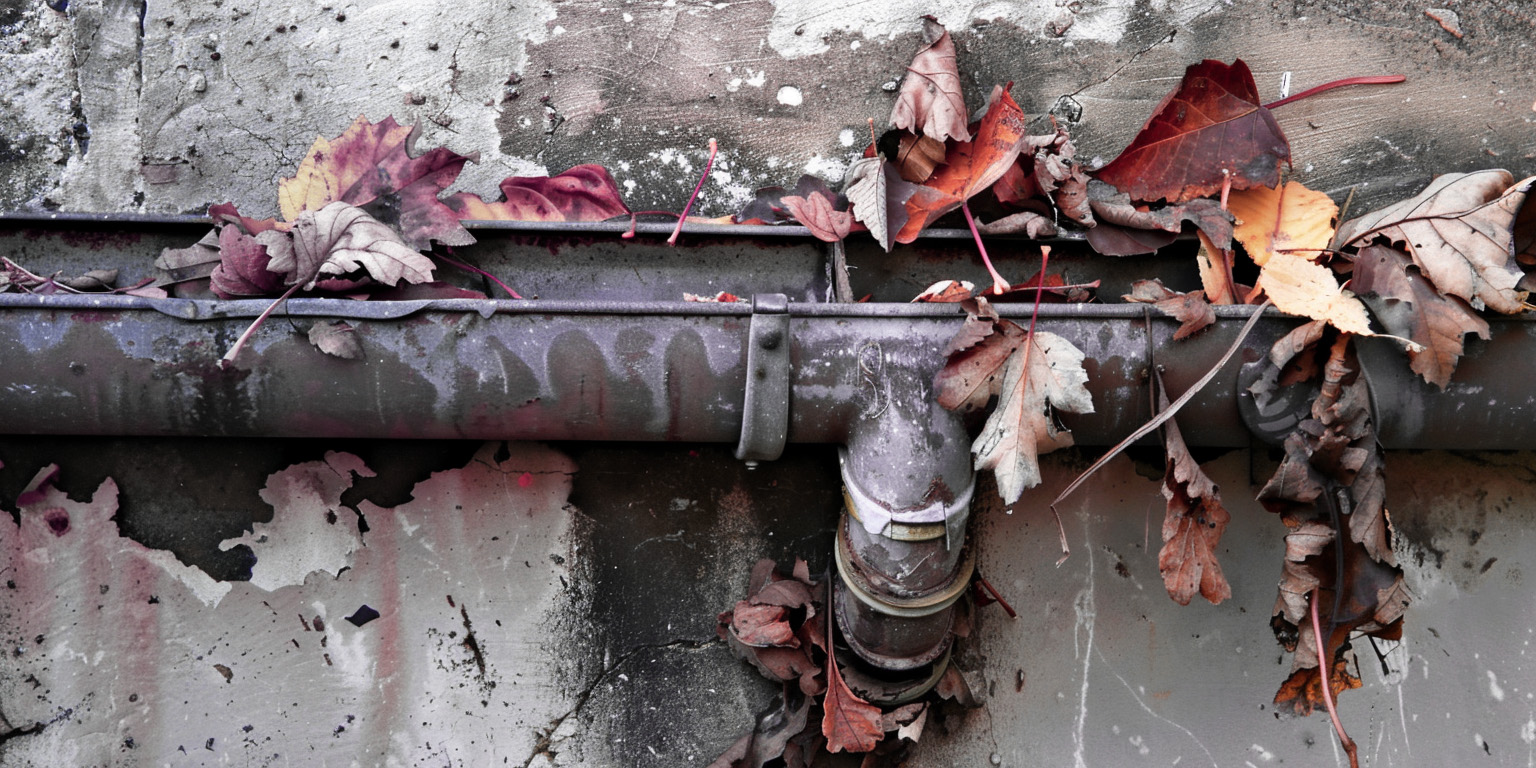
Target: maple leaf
{"type": "Point", "coordinates": [878, 196]}
{"type": "Point", "coordinates": [1290, 217]}
{"type": "Point", "coordinates": [1193, 524]}
{"type": "Point", "coordinates": [1460, 231]}
{"type": "Point", "coordinates": [242, 268]}
{"type": "Point", "coordinates": [970, 166]}
{"type": "Point", "coordinates": [975, 358]}
{"type": "Point", "coordinates": [1191, 309]}
{"type": "Point", "coordinates": [930, 102]}
{"type": "Point", "coordinates": [1299, 286]}
{"type": "Point", "coordinates": [1407, 305]}
{"type": "Point", "coordinates": [583, 193]}
{"type": "Point", "coordinates": [373, 161]}
{"type": "Point", "coordinates": [1044, 373]}
{"type": "Point", "coordinates": [817, 214]}
{"type": "Point", "coordinates": [1211, 128]}
{"type": "Point", "coordinates": [339, 239]}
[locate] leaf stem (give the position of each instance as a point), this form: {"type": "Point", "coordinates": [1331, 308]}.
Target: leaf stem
{"type": "Point", "coordinates": [991, 590]}
{"type": "Point", "coordinates": [713, 147]}
{"type": "Point", "coordinates": [1323, 666]}
{"type": "Point", "coordinates": [229, 357]}
{"type": "Point", "coordinates": [480, 272]}
{"type": "Point", "coordinates": [999, 285]}
{"type": "Point", "coordinates": [1313, 91]}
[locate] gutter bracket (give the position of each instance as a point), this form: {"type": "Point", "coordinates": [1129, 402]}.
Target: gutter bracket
{"type": "Point", "coordinates": [765, 410]}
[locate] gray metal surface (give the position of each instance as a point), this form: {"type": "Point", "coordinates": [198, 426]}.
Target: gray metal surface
{"type": "Point", "coordinates": [765, 404]}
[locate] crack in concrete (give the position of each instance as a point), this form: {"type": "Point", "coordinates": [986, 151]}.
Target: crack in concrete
{"type": "Point", "coordinates": [1168, 38]}
{"type": "Point", "coordinates": [542, 746]}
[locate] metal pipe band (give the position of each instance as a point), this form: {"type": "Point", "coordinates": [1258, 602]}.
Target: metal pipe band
{"type": "Point", "coordinates": [913, 607]}
{"type": "Point", "coordinates": [898, 531]}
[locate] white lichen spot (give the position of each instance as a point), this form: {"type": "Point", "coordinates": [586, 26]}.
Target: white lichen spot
{"type": "Point", "coordinates": [790, 96]}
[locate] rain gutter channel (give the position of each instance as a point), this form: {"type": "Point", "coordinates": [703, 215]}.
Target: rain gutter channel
{"type": "Point", "coordinates": [759, 374]}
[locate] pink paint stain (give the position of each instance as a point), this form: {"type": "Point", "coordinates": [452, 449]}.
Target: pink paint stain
{"type": "Point", "coordinates": [525, 480]}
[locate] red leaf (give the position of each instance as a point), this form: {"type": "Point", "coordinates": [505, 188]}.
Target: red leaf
{"type": "Point", "coordinates": [583, 193]}
{"type": "Point", "coordinates": [818, 215]}
{"type": "Point", "coordinates": [1192, 526]}
{"type": "Point", "coordinates": [242, 269]}
{"type": "Point", "coordinates": [971, 166]}
{"type": "Point", "coordinates": [762, 625]}
{"type": "Point", "coordinates": [1212, 123]}
{"type": "Point", "coordinates": [850, 723]}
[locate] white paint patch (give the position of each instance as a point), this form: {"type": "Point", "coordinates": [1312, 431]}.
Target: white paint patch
{"type": "Point", "coordinates": [806, 27]}
{"type": "Point", "coordinates": [827, 168]}
{"type": "Point", "coordinates": [1087, 619]}
{"type": "Point", "coordinates": [845, 138]}
{"type": "Point", "coordinates": [310, 529]}
{"type": "Point", "coordinates": [1494, 689]}
{"type": "Point", "coordinates": [1262, 753]}
{"type": "Point", "coordinates": [1528, 731]}
{"type": "Point", "coordinates": [790, 96]}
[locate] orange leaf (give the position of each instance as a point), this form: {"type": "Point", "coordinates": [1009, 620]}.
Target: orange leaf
{"type": "Point", "coordinates": [971, 166]}
{"type": "Point", "coordinates": [1290, 217]}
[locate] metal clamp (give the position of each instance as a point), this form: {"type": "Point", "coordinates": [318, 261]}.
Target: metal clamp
{"type": "Point", "coordinates": [765, 410]}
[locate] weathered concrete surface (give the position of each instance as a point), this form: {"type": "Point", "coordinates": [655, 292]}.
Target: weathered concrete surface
{"type": "Point", "coordinates": [170, 105]}
{"type": "Point", "coordinates": [591, 600]}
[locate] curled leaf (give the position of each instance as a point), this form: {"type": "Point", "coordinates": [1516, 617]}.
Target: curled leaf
{"type": "Point", "coordinates": [338, 239]}
{"type": "Point", "coordinates": [878, 196]}
{"type": "Point", "coordinates": [583, 193]}
{"type": "Point", "coordinates": [817, 214]}
{"type": "Point", "coordinates": [1193, 524]}
{"type": "Point", "coordinates": [1407, 305]}
{"type": "Point", "coordinates": [1191, 309]}
{"type": "Point", "coordinates": [970, 167]}
{"type": "Point", "coordinates": [242, 269]}
{"type": "Point", "coordinates": [930, 102]}
{"type": "Point", "coordinates": [337, 339]}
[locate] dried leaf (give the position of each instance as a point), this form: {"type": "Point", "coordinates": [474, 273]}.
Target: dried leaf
{"type": "Point", "coordinates": [719, 298]}
{"type": "Point", "coordinates": [975, 358]}
{"type": "Point", "coordinates": [1300, 287]}
{"type": "Point", "coordinates": [1044, 373]}
{"type": "Point", "coordinates": [818, 215]}
{"type": "Point", "coordinates": [339, 239]}
{"type": "Point", "coordinates": [918, 156]}
{"type": "Point", "coordinates": [1460, 233]}
{"type": "Point", "coordinates": [761, 626]}
{"type": "Point", "coordinates": [1407, 305]}
{"type": "Point", "coordinates": [1111, 206]}
{"type": "Point", "coordinates": [1215, 278]}
{"type": "Point", "coordinates": [1191, 309]}
{"type": "Point", "coordinates": [336, 338]}
{"type": "Point", "coordinates": [94, 280]}
{"type": "Point", "coordinates": [583, 193]}
{"type": "Point", "coordinates": [243, 267]}
{"type": "Point", "coordinates": [1115, 240]}
{"type": "Point", "coordinates": [785, 718]}
{"type": "Point", "coordinates": [878, 196]}
{"type": "Point", "coordinates": [970, 167]}
{"type": "Point", "coordinates": [1290, 217]}
{"type": "Point", "coordinates": [850, 723]}
{"type": "Point", "coordinates": [1209, 129]}
{"type": "Point", "coordinates": [947, 292]}
{"type": "Point", "coordinates": [369, 162]}
{"type": "Point", "coordinates": [767, 205]}
{"type": "Point", "coordinates": [930, 102]}
{"type": "Point", "coordinates": [953, 686]}
{"type": "Point", "coordinates": [196, 261]}
{"type": "Point", "coordinates": [1193, 524]}
{"type": "Point", "coordinates": [1028, 223]}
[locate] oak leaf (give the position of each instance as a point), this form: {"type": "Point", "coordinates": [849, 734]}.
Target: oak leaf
{"type": "Point", "coordinates": [582, 193]}
{"type": "Point", "coordinates": [878, 197]}
{"type": "Point", "coordinates": [1191, 309]}
{"type": "Point", "coordinates": [970, 166]}
{"type": "Point", "coordinates": [1044, 374]}
{"type": "Point", "coordinates": [373, 161]}
{"type": "Point", "coordinates": [339, 239]}
{"type": "Point", "coordinates": [817, 214]}
{"type": "Point", "coordinates": [1299, 286]}
{"type": "Point", "coordinates": [1211, 128]}
{"type": "Point", "coordinates": [1290, 217]}
{"type": "Point", "coordinates": [930, 102]}
{"type": "Point", "coordinates": [1460, 231]}
{"type": "Point", "coordinates": [1407, 305]}
{"type": "Point", "coordinates": [1193, 524]}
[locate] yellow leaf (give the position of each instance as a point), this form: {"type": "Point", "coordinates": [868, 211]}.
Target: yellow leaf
{"type": "Point", "coordinates": [1291, 217]}
{"type": "Point", "coordinates": [1300, 287]}
{"type": "Point", "coordinates": [1213, 273]}
{"type": "Point", "coordinates": [333, 166]}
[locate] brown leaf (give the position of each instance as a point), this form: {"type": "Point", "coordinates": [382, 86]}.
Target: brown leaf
{"type": "Point", "coordinates": [1290, 217]}
{"type": "Point", "coordinates": [1193, 524]}
{"type": "Point", "coordinates": [761, 626]}
{"type": "Point", "coordinates": [1113, 207]}
{"type": "Point", "coordinates": [370, 161]}
{"type": "Point", "coordinates": [1407, 305]}
{"type": "Point", "coordinates": [1460, 233]}
{"type": "Point", "coordinates": [191, 263]}
{"type": "Point", "coordinates": [1209, 129]}
{"type": "Point", "coordinates": [850, 723]}
{"type": "Point", "coordinates": [818, 215]}
{"type": "Point", "coordinates": [953, 686]}
{"type": "Point", "coordinates": [930, 102]}
{"type": "Point", "coordinates": [339, 239]}
{"type": "Point", "coordinates": [1191, 309]}
{"type": "Point", "coordinates": [918, 156]}
{"type": "Point", "coordinates": [1043, 374]}
{"type": "Point", "coordinates": [785, 718]}
{"type": "Point", "coordinates": [975, 358]}
{"type": "Point", "coordinates": [947, 292]}
{"type": "Point", "coordinates": [243, 267]}
{"type": "Point", "coordinates": [1027, 223]}
{"type": "Point", "coordinates": [878, 197]}
{"type": "Point", "coordinates": [787, 593]}
{"type": "Point", "coordinates": [767, 207]}
{"type": "Point", "coordinates": [970, 167]}
{"type": "Point", "coordinates": [336, 339]}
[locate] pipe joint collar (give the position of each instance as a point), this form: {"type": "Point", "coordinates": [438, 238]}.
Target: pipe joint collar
{"type": "Point", "coordinates": [879, 519]}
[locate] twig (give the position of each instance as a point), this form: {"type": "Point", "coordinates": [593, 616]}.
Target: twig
{"type": "Point", "coordinates": [1157, 421]}
{"type": "Point", "coordinates": [480, 272]}
{"type": "Point", "coordinates": [991, 590]}
{"type": "Point", "coordinates": [713, 147]}
{"type": "Point", "coordinates": [1323, 671]}
{"type": "Point", "coordinates": [999, 285]}
{"type": "Point", "coordinates": [229, 357]}
{"type": "Point", "coordinates": [1369, 80]}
